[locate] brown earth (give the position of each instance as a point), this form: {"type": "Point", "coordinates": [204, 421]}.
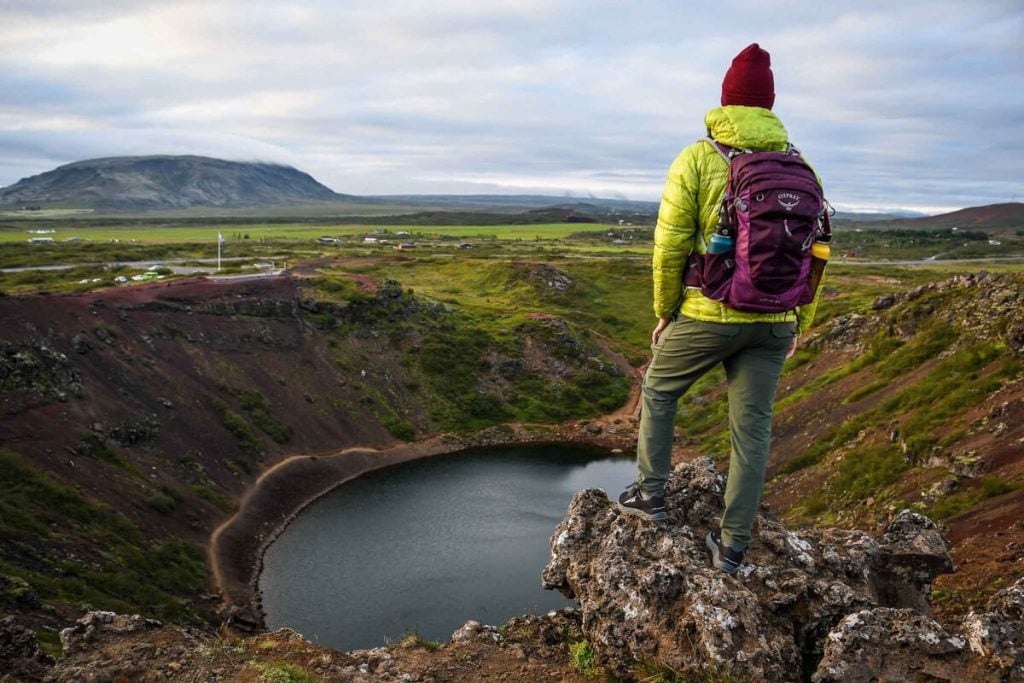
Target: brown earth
{"type": "Point", "coordinates": [526, 649]}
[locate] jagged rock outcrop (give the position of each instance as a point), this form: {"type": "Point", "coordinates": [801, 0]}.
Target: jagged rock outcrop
{"type": "Point", "coordinates": [648, 593]}
{"type": "Point", "coordinates": [91, 627]}
{"type": "Point", "coordinates": [21, 658]}
{"type": "Point", "coordinates": [991, 311]}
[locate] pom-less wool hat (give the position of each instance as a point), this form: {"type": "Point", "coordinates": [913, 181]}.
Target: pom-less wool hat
{"type": "Point", "coordinates": [749, 81]}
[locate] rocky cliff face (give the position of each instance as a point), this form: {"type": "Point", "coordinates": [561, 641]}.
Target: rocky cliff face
{"type": "Point", "coordinates": [834, 605]}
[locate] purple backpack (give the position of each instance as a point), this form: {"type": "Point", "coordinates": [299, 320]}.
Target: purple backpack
{"type": "Point", "coordinates": [774, 209]}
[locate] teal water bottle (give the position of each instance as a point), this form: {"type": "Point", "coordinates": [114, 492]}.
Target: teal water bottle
{"type": "Point", "coordinates": [722, 241]}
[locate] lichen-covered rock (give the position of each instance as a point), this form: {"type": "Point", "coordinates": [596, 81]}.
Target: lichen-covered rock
{"type": "Point", "coordinates": [830, 604]}
{"type": "Point", "coordinates": [648, 592]}
{"type": "Point", "coordinates": [889, 644]}
{"type": "Point", "coordinates": [20, 655]}
{"type": "Point", "coordinates": [94, 625]}
{"type": "Point", "coordinates": [912, 554]}
{"type": "Point", "coordinates": [997, 636]}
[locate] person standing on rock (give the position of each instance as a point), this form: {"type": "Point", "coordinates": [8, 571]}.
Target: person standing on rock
{"type": "Point", "coordinates": [696, 333]}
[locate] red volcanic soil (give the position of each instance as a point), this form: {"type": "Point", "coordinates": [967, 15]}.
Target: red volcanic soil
{"type": "Point", "coordinates": [168, 353]}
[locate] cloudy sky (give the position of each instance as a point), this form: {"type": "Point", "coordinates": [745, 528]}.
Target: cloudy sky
{"type": "Point", "coordinates": [915, 104]}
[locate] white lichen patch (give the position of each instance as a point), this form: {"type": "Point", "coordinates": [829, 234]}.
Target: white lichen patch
{"type": "Point", "coordinates": [800, 549]}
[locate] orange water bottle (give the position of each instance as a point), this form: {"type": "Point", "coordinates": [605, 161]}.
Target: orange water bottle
{"type": "Point", "coordinates": [821, 250]}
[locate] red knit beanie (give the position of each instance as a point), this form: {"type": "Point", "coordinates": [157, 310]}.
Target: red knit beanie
{"type": "Point", "coordinates": [749, 81]}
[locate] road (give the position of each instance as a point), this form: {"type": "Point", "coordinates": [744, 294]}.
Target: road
{"type": "Point", "coordinates": [169, 263]}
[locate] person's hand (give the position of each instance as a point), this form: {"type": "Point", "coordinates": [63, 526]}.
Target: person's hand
{"type": "Point", "coordinates": [792, 346]}
{"type": "Point", "coordinates": [662, 324]}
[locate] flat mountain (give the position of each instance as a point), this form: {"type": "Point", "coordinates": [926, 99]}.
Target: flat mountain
{"type": "Point", "coordinates": [167, 182]}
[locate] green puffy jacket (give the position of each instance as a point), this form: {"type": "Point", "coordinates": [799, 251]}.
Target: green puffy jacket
{"type": "Point", "coordinates": [693, 193]}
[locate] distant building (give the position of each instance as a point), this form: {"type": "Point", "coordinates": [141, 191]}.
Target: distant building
{"type": "Point", "coordinates": [370, 240]}
{"type": "Point", "coordinates": [994, 243]}
{"type": "Point", "coordinates": [327, 239]}
{"type": "Point", "coordinates": [405, 246]}
{"type": "Point", "coordinates": [40, 240]}
{"type": "Point", "coordinates": [402, 233]}
{"type": "Point", "coordinates": [464, 245]}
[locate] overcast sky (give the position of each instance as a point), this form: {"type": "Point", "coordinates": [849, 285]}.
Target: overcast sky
{"type": "Point", "coordinates": [915, 104]}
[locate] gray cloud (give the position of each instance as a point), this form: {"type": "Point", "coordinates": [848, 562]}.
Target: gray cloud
{"type": "Point", "coordinates": [910, 105]}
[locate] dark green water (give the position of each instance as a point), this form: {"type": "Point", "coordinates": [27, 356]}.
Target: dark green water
{"type": "Point", "coordinates": [427, 545]}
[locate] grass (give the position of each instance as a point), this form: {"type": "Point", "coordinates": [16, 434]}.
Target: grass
{"type": "Point", "coordinates": [465, 362]}
{"type": "Point", "coordinates": [581, 659]}
{"type": "Point", "coordinates": [115, 565]}
{"type": "Point", "coordinates": [280, 672]}
{"type": "Point", "coordinates": [256, 404]}
{"type": "Point", "coordinates": [987, 488]}
{"type": "Point", "coordinates": [169, 234]}
{"type": "Point", "coordinates": [238, 426]}
{"type": "Point", "coordinates": [415, 640]}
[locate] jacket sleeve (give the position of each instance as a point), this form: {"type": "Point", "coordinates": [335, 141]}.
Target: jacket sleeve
{"type": "Point", "coordinates": [673, 234]}
{"type": "Point", "coordinates": [805, 313]}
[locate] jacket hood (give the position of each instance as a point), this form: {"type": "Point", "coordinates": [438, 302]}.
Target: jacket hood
{"type": "Point", "coordinates": [747, 127]}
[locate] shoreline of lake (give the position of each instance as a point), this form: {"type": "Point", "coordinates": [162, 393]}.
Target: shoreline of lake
{"type": "Point", "coordinates": [236, 548]}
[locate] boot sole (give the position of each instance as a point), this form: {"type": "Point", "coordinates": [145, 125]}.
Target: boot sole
{"type": "Point", "coordinates": [650, 517]}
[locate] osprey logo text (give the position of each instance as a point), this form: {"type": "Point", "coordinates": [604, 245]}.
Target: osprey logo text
{"type": "Point", "coordinates": [788, 205]}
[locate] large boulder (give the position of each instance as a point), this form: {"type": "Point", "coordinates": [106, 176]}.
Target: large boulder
{"type": "Point", "coordinates": [648, 593]}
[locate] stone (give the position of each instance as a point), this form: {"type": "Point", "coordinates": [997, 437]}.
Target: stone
{"type": "Point", "coordinates": [883, 302]}
{"type": "Point", "coordinates": [80, 343]}
{"type": "Point", "coordinates": [94, 625]}
{"type": "Point", "coordinates": [648, 593]}
{"type": "Point", "coordinates": [913, 553]}
{"type": "Point", "coordinates": [888, 644]}
{"type": "Point", "coordinates": [997, 635]}
{"type": "Point", "coordinates": [21, 658]}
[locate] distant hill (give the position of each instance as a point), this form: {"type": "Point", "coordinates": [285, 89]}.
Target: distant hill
{"type": "Point", "coordinates": [167, 182]}
{"type": "Point", "coordinates": [989, 217]}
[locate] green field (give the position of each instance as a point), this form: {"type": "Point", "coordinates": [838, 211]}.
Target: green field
{"type": "Point", "coordinates": [297, 231]}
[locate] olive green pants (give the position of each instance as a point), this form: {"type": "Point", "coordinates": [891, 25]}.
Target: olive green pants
{"type": "Point", "coordinates": [753, 354]}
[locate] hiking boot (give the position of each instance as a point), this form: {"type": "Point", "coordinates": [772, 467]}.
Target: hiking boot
{"type": "Point", "coordinates": [635, 502]}
{"type": "Point", "coordinates": [723, 556]}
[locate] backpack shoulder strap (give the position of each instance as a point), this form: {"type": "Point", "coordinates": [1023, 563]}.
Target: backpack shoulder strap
{"type": "Point", "coordinates": [724, 151]}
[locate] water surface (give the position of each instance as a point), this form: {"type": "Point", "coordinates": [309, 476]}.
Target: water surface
{"type": "Point", "coordinates": [427, 545]}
